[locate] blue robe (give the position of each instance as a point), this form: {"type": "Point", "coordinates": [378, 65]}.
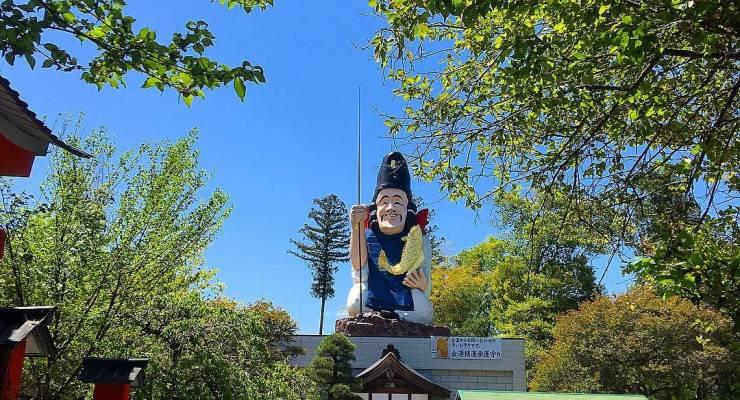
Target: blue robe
{"type": "Point", "coordinates": [386, 291]}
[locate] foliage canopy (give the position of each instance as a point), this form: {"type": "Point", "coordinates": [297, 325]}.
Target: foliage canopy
{"type": "Point", "coordinates": [594, 109]}
{"type": "Point", "coordinates": [639, 343]}
{"type": "Point", "coordinates": [41, 29]}
{"type": "Point", "coordinates": [116, 243]}
{"type": "Point", "coordinates": [489, 290]}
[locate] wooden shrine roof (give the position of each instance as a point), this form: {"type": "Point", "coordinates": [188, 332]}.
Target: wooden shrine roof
{"type": "Point", "coordinates": [389, 368]}
{"type": "Point", "coordinates": [21, 126]}
{"type": "Point", "coordinates": [19, 323]}
{"type": "Point", "coordinates": [113, 370]}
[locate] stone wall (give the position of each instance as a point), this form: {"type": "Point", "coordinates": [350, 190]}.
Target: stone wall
{"type": "Point", "coordinates": [416, 352]}
{"type": "Point", "coordinates": [472, 379]}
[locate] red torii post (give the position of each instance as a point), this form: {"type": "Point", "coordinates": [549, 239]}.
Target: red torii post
{"type": "Point", "coordinates": [14, 159]}
{"type": "Point", "coordinates": [113, 377]}
{"type": "Point", "coordinates": [11, 363]}
{"type": "Point", "coordinates": [24, 333]}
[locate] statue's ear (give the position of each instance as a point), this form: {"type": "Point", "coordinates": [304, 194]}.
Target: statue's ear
{"type": "Point", "coordinates": [422, 218]}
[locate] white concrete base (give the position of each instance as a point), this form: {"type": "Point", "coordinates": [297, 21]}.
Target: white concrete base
{"type": "Point", "coordinates": [416, 352]}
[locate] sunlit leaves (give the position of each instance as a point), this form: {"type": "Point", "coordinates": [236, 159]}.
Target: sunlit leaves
{"type": "Point", "coordinates": [240, 89]}
{"type": "Point", "coordinates": [117, 244]}
{"type": "Point", "coordinates": [490, 289]}
{"type": "Point", "coordinates": [247, 5]}
{"type": "Point", "coordinates": [639, 343]}
{"type": "Point", "coordinates": [604, 102]}
{"type": "Point", "coordinates": [702, 265]}
{"type": "Point", "coordinates": [180, 65]}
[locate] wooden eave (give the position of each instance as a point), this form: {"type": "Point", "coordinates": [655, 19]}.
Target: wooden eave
{"type": "Point", "coordinates": [21, 127]}
{"type": "Point", "coordinates": [30, 324]}
{"type": "Point", "coordinates": [113, 370]}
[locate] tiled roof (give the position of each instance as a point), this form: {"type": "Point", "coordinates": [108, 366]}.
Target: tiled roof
{"type": "Point", "coordinates": [112, 370]}
{"type": "Point", "coordinates": [16, 112]}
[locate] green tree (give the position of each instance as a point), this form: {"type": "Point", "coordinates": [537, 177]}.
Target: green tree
{"type": "Point", "coordinates": [490, 289]}
{"type": "Point", "coordinates": [701, 265]}
{"type": "Point", "coordinates": [664, 211]}
{"type": "Point", "coordinates": [332, 368]}
{"type": "Point", "coordinates": [602, 104]}
{"type": "Point", "coordinates": [218, 349]}
{"type": "Point", "coordinates": [518, 285]}
{"type": "Point", "coordinates": [462, 299]}
{"type": "Point", "coordinates": [324, 244]}
{"type": "Point", "coordinates": [40, 29]}
{"type": "Point", "coordinates": [639, 343]}
{"type": "Point", "coordinates": [116, 243]}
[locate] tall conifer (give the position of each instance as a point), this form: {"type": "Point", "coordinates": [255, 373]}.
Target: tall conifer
{"type": "Point", "coordinates": [325, 242]}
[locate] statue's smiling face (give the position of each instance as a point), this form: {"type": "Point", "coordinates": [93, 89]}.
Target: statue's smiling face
{"type": "Point", "coordinates": [391, 207]}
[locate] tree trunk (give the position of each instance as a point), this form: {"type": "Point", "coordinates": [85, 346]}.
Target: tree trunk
{"type": "Point", "coordinates": [321, 323]}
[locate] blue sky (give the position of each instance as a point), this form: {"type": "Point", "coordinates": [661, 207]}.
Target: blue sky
{"type": "Point", "coordinates": [292, 140]}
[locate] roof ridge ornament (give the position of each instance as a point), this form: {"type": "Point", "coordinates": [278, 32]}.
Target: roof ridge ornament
{"type": "Point", "coordinates": [391, 349]}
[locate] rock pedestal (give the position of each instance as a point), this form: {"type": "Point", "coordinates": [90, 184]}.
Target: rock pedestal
{"type": "Point", "coordinates": [372, 324]}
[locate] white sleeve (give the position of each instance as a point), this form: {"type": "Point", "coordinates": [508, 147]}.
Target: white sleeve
{"type": "Point", "coordinates": [356, 274]}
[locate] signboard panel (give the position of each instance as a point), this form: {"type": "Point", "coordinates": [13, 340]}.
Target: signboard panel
{"type": "Point", "coordinates": [466, 348]}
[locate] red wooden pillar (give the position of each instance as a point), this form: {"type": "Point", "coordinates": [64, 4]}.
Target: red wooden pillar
{"type": "Point", "coordinates": [14, 160]}
{"type": "Point", "coordinates": [24, 333]}
{"type": "Point", "coordinates": [11, 370]}
{"type": "Point", "coordinates": [114, 378]}
{"type": "Point", "coordinates": [112, 391]}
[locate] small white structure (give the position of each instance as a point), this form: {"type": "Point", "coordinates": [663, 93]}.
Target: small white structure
{"type": "Point", "coordinates": [503, 373]}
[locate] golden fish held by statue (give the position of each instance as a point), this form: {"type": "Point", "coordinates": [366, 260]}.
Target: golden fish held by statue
{"type": "Point", "coordinates": [412, 255]}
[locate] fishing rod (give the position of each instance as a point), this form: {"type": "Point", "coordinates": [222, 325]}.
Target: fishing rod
{"type": "Point", "coordinates": [359, 194]}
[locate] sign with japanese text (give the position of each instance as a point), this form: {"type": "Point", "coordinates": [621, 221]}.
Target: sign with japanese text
{"type": "Point", "coordinates": [466, 348]}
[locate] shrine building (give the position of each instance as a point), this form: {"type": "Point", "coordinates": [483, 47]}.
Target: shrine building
{"type": "Point", "coordinates": [417, 368]}
{"type": "Point", "coordinates": [23, 137]}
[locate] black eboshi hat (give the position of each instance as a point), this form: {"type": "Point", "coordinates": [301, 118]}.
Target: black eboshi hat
{"type": "Point", "coordinates": [394, 173]}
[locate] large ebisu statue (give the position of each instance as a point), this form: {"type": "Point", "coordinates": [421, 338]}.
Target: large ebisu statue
{"type": "Point", "coordinates": [394, 254]}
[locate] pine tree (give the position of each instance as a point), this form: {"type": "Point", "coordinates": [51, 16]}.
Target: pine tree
{"type": "Point", "coordinates": [324, 244]}
{"type": "Point", "coordinates": [332, 368]}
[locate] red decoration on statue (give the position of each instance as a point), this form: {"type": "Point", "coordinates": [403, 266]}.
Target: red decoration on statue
{"type": "Point", "coordinates": [422, 217]}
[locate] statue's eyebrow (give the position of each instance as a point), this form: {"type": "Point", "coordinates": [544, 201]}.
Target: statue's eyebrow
{"type": "Point", "coordinates": [399, 197]}
{"type": "Point", "coordinates": [382, 197]}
